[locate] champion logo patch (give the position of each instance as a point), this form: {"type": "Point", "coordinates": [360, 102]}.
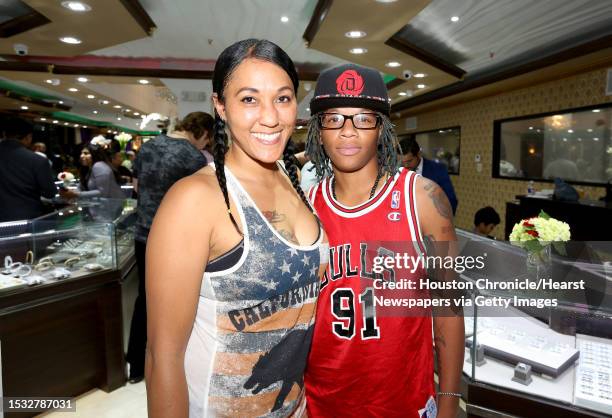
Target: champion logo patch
{"type": "Point", "coordinates": [395, 199]}
{"type": "Point", "coordinates": [394, 216]}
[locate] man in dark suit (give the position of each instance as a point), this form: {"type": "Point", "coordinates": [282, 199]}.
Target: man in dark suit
{"type": "Point", "coordinates": [24, 175]}
{"type": "Point", "coordinates": [413, 160]}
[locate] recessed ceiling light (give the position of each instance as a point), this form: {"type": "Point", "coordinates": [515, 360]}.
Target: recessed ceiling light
{"type": "Point", "coordinates": [355, 34]}
{"type": "Point", "coordinates": [455, 19]}
{"type": "Point", "coordinates": [95, 112]}
{"type": "Point", "coordinates": [421, 86]}
{"type": "Point", "coordinates": [61, 102]}
{"type": "Point", "coordinates": [66, 123]}
{"type": "Point", "coordinates": [91, 96]}
{"type": "Point", "coordinates": [284, 19]}
{"type": "Point", "coordinates": [402, 93]}
{"type": "Point", "coordinates": [82, 79]}
{"type": "Point", "coordinates": [595, 139]}
{"type": "Point", "coordinates": [128, 110]}
{"type": "Point", "coordinates": [105, 102]}
{"type": "Point", "coordinates": [118, 118]}
{"type": "Point", "coordinates": [531, 128]}
{"type": "Point", "coordinates": [589, 130]}
{"type": "Point", "coordinates": [43, 119]}
{"type": "Point", "coordinates": [70, 40]}
{"type": "Point", "coordinates": [596, 110]}
{"type": "Point", "coordinates": [114, 132]}
{"type": "Point", "coordinates": [386, 1]}
{"type": "Point", "coordinates": [571, 131]}
{"type": "Point", "coordinates": [54, 121]}
{"type": "Point", "coordinates": [117, 107]}
{"type": "Point", "coordinates": [358, 51]}
{"type": "Point", "coordinates": [76, 125]}
{"type": "Point", "coordinates": [24, 108]}
{"type": "Point", "coordinates": [136, 114]}
{"type": "Point", "coordinates": [308, 109]}
{"type": "Point", "coordinates": [420, 75]}
{"type": "Point", "coordinates": [393, 64]}
{"type": "Point", "coordinates": [143, 81]}
{"type": "Point", "coordinates": [76, 6]}
{"type": "Point", "coordinates": [73, 89]}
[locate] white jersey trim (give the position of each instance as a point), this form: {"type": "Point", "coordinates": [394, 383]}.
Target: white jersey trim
{"type": "Point", "coordinates": [415, 230]}
{"type": "Point", "coordinates": [378, 199]}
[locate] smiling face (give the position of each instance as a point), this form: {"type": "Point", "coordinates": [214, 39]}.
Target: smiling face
{"type": "Point", "coordinates": [260, 109]}
{"type": "Point", "coordinates": [350, 149]}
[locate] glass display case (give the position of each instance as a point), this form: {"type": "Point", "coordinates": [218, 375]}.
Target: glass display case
{"type": "Point", "coordinates": [541, 333]}
{"type": "Point", "coordinates": [74, 242]}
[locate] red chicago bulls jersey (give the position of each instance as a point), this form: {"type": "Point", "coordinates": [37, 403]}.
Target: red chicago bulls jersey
{"type": "Point", "coordinates": [363, 363]}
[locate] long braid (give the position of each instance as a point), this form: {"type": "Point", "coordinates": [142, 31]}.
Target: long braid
{"type": "Point", "coordinates": [219, 151]}
{"type": "Point", "coordinates": [315, 151]}
{"type": "Point", "coordinates": [291, 165]}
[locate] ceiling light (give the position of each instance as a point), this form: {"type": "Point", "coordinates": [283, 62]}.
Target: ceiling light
{"type": "Point", "coordinates": [136, 114]}
{"type": "Point", "coordinates": [43, 119]}
{"type": "Point", "coordinates": [308, 109]}
{"type": "Point", "coordinates": [24, 108]}
{"type": "Point", "coordinates": [284, 19]}
{"type": "Point", "coordinates": [355, 34]}
{"type": "Point", "coordinates": [402, 93]}
{"type": "Point", "coordinates": [143, 81]}
{"type": "Point", "coordinates": [421, 86]}
{"type": "Point", "coordinates": [386, 1]}
{"type": "Point", "coordinates": [54, 121]}
{"type": "Point", "coordinates": [393, 64]}
{"type": "Point", "coordinates": [595, 139]}
{"type": "Point", "coordinates": [531, 128]}
{"type": "Point", "coordinates": [61, 102]}
{"type": "Point", "coordinates": [76, 125]}
{"type": "Point", "coordinates": [358, 51]}
{"type": "Point", "coordinates": [596, 110]}
{"type": "Point", "coordinates": [589, 130]}
{"type": "Point", "coordinates": [105, 102]}
{"type": "Point", "coordinates": [73, 89]}
{"type": "Point", "coordinates": [118, 118]}
{"type": "Point", "coordinates": [117, 107]}
{"type": "Point", "coordinates": [76, 6]}
{"type": "Point", "coordinates": [70, 40]}
{"type": "Point", "coordinates": [66, 123]}
{"type": "Point", "coordinates": [85, 126]}
{"type": "Point", "coordinates": [455, 19]}
{"type": "Point", "coordinates": [82, 79]}
{"type": "Point", "coordinates": [91, 96]}
{"type": "Point", "coordinates": [127, 110]}
{"type": "Point", "coordinates": [115, 132]}
{"type": "Point", "coordinates": [53, 81]}
{"type": "Point", "coordinates": [95, 112]}
{"type": "Point", "coordinates": [571, 131]}
{"type": "Point", "coordinates": [420, 75]}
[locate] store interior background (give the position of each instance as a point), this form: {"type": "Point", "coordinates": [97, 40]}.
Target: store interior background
{"type": "Point", "coordinates": [500, 59]}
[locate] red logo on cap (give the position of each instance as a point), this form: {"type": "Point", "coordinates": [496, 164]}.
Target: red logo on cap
{"type": "Point", "coordinates": [349, 82]}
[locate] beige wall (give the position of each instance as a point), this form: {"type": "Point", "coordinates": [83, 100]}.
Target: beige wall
{"type": "Point", "coordinates": [477, 189]}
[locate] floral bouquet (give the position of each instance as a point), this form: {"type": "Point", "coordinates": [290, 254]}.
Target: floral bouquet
{"type": "Point", "coordinates": [100, 141]}
{"type": "Point", "coordinates": [66, 177]}
{"type": "Point", "coordinates": [537, 234]}
{"type": "Point", "coordinates": [123, 139]}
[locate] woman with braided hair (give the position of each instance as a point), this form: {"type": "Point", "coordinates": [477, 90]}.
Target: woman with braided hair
{"type": "Point", "coordinates": [234, 257]}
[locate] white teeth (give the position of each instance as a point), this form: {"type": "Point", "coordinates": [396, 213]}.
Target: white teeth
{"type": "Point", "coordinates": [266, 137]}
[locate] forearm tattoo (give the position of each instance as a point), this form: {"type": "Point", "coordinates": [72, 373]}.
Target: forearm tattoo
{"type": "Point", "coordinates": [439, 199]}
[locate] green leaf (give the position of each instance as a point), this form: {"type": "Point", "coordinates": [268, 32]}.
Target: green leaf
{"type": "Point", "coordinates": [560, 248]}
{"type": "Point", "coordinates": [532, 245]}
{"type": "Point", "coordinates": [544, 215]}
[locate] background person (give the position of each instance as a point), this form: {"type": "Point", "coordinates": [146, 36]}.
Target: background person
{"type": "Point", "coordinates": [485, 220]}
{"type": "Point", "coordinates": [99, 177]}
{"type": "Point", "coordinates": [413, 159]}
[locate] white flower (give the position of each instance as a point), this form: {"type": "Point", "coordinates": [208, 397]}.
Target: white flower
{"type": "Point", "coordinates": [65, 176]}
{"type": "Point", "coordinates": [100, 141]}
{"type": "Point", "coordinates": [123, 137]}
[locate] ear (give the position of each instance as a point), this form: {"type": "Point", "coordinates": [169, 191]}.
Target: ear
{"type": "Point", "coordinates": [219, 106]}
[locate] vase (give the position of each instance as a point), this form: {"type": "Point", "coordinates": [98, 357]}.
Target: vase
{"type": "Point", "coordinates": [539, 265]}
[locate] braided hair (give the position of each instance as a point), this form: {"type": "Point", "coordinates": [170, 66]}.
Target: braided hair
{"type": "Point", "coordinates": [388, 148]}
{"type": "Point", "coordinates": [226, 64]}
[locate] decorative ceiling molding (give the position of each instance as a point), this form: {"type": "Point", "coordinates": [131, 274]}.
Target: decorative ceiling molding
{"type": "Point", "coordinates": [407, 48]}
{"type": "Point", "coordinates": [140, 15]}
{"type": "Point", "coordinates": [469, 83]}
{"type": "Point", "coordinates": [318, 16]}
{"type": "Point", "coordinates": [22, 24]}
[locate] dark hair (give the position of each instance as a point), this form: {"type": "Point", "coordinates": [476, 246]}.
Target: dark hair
{"type": "Point", "coordinates": [17, 128]}
{"type": "Point", "coordinates": [197, 123]}
{"type": "Point", "coordinates": [410, 145]}
{"type": "Point", "coordinates": [486, 215]}
{"type": "Point", "coordinates": [100, 153]}
{"type": "Point", "coordinates": [225, 66]}
{"type": "Point", "coordinates": [388, 149]}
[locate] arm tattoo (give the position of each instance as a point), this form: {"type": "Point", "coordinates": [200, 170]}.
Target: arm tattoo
{"type": "Point", "coordinates": [440, 341]}
{"type": "Point", "coordinates": [439, 199]}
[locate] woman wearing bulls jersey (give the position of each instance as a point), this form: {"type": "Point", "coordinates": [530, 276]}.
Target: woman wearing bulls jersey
{"type": "Point", "coordinates": [363, 363]}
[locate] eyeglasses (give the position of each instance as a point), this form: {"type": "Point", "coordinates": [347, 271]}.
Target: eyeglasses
{"type": "Point", "coordinates": [360, 120]}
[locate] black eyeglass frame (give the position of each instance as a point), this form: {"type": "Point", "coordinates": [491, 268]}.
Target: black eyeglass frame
{"type": "Point", "coordinates": [345, 117]}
